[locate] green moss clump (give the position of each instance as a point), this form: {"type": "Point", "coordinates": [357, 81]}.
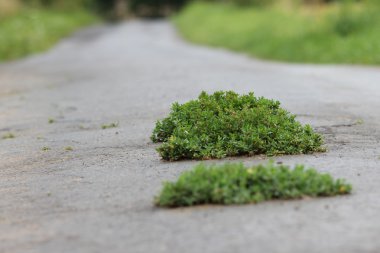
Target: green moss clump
{"type": "Point", "coordinates": [235, 184]}
{"type": "Point", "coordinates": [111, 125]}
{"type": "Point", "coordinates": [227, 124]}
{"type": "Point", "coordinates": [8, 136]}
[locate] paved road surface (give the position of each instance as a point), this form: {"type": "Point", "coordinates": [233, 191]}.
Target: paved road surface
{"type": "Point", "coordinates": [98, 197]}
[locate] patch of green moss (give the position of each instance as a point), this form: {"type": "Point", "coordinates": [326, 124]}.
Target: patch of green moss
{"type": "Point", "coordinates": [69, 148]}
{"type": "Point", "coordinates": [45, 148]}
{"type": "Point", "coordinates": [111, 125]}
{"type": "Point", "coordinates": [8, 136]}
{"type": "Point", "coordinates": [227, 124]}
{"type": "Point", "coordinates": [236, 184]}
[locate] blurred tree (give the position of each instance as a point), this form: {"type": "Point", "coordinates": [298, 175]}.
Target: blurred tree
{"type": "Point", "coordinates": [112, 8]}
{"type": "Point", "coordinates": [120, 8]}
{"type": "Point", "coordinates": [155, 7]}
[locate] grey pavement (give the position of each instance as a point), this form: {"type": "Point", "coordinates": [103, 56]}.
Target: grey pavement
{"type": "Point", "coordinates": [98, 197]}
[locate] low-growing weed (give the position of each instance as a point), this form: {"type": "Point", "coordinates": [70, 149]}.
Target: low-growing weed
{"type": "Point", "coordinates": [359, 122]}
{"type": "Point", "coordinates": [69, 148]}
{"type": "Point", "coordinates": [111, 125]}
{"type": "Point", "coordinates": [227, 124]}
{"type": "Point", "coordinates": [230, 184]}
{"type": "Point", "coordinates": [45, 148]}
{"type": "Point", "coordinates": [8, 136]}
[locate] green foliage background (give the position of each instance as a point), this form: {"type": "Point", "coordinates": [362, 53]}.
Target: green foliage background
{"type": "Point", "coordinates": [32, 26]}
{"type": "Point", "coordinates": [164, 7]}
{"type": "Point", "coordinates": [337, 33]}
{"type": "Point", "coordinates": [152, 7]}
{"type": "Point", "coordinates": [340, 31]}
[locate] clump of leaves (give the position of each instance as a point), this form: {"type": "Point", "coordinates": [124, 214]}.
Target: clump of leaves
{"type": "Point", "coordinates": [111, 125]}
{"type": "Point", "coordinates": [236, 184]}
{"type": "Point", "coordinates": [227, 124]}
{"type": "Point", "coordinates": [8, 136]}
{"type": "Point", "coordinates": [51, 120]}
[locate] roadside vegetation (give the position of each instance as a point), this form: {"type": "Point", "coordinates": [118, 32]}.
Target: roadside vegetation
{"type": "Point", "coordinates": [319, 31]}
{"type": "Point", "coordinates": [286, 30]}
{"type": "Point", "coordinates": [232, 184]}
{"type": "Point", "coordinates": [27, 29]}
{"type": "Point", "coordinates": [227, 124]}
{"type": "Point", "coordinates": [32, 26]}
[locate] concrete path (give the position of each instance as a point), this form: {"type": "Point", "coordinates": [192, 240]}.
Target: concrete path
{"type": "Point", "coordinates": [98, 197]}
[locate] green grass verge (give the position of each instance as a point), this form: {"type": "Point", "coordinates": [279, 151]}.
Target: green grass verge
{"type": "Point", "coordinates": [32, 31]}
{"type": "Point", "coordinates": [332, 34]}
{"type": "Point", "coordinates": [236, 184]}
{"type": "Point", "coordinates": [227, 124]}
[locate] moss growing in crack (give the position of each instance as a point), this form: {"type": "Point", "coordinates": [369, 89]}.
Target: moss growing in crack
{"type": "Point", "coordinates": [236, 184]}
{"type": "Point", "coordinates": [227, 124]}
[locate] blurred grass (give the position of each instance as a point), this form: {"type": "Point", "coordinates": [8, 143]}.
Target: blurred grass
{"type": "Point", "coordinates": [33, 30]}
{"type": "Point", "coordinates": [329, 34]}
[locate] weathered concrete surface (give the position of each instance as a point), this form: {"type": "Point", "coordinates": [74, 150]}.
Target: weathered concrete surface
{"type": "Point", "coordinates": [98, 197]}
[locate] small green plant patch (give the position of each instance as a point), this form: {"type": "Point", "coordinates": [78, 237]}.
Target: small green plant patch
{"type": "Point", "coordinates": [227, 124]}
{"type": "Point", "coordinates": [69, 148]}
{"type": "Point", "coordinates": [8, 136]}
{"type": "Point", "coordinates": [45, 148]}
{"type": "Point", "coordinates": [111, 125]}
{"type": "Point", "coordinates": [231, 184]}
